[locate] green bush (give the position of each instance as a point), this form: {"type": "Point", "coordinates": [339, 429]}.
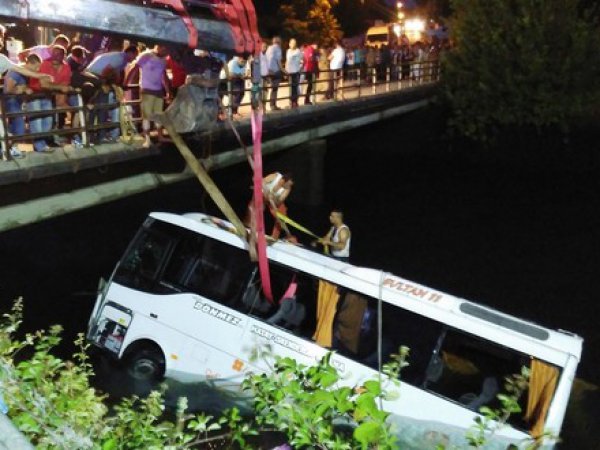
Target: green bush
{"type": "Point", "coordinates": [520, 64]}
{"type": "Point", "coordinates": [52, 402]}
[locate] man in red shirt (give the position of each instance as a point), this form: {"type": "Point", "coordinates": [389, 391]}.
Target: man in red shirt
{"type": "Point", "coordinates": [60, 71]}
{"type": "Point", "coordinates": [178, 75]}
{"type": "Point", "coordinates": [311, 68]}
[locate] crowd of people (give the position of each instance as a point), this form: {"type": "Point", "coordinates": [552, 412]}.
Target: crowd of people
{"type": "Point", "coordinates": [73, 83]}
{"type": "Point", "coordinates": [90, 85]}
{"type": "Point", "coordinates": [307, 64]}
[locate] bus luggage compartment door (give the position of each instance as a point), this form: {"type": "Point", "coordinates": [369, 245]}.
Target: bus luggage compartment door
{"type": "Point", "coordinates": [111, 327]}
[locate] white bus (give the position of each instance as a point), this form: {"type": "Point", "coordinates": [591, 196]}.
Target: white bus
{"type": "Point", "coordinates": [378, 36]}
{"type": "Point", "coordinates": [185, 302]}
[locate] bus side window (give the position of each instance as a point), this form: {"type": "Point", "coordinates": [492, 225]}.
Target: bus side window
{"type": "Point", "coordinates": [180, 263]}
{"type": "Point", "coordinates": [356, 334]}
{"type": "Point", "coordinates": [220, 273]}
{"type": "Point", "coordinates": [420, 334]}
{"type": "Point", "coordinates": [295, 313]}
{"type": "Point", "coordinates": [142, 262]}
{"type": "Point", "coordinates": [472, 370]}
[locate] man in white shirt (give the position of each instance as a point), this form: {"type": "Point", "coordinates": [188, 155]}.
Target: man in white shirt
{"type": "Point", "coordinates": [237, 73]}
{"type": "Point", "coordinates": [338, 237]}
{"type": "Point", "coordinates": [274, 57]}
{"type": "Point", "coordinates": [336, 64]}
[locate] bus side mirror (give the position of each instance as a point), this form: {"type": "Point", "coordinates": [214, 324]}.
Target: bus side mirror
{"type": "Point", "coordinates": [101, 285]}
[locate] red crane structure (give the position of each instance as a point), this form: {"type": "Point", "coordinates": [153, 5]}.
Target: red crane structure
{"type": "Point", "coordinates": [227, 26]}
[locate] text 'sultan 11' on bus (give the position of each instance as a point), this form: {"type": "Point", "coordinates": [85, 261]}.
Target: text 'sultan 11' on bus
{"type": "Point", "coordinates": [185, 302]}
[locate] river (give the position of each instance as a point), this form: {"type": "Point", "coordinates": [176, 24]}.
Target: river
{"type": "Point", "coordinates": [522, 239]}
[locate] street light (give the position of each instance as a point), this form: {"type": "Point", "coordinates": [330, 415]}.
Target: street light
{"type": "Point", "coordinates": [399, 27]}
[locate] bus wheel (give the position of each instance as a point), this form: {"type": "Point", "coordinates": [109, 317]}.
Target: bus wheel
{"type": "Point", "coordinates": [146, 364]}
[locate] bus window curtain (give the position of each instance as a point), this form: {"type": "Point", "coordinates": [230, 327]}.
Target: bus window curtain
{"type": "Point", "coordinates": [349, 319]}
{"type": "Point", "coordinates": [326, 306]}
{"type": "Point", "coordinates": [542, 383]}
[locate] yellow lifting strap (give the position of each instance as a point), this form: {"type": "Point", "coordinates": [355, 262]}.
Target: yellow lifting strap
{"type": "Point", "coordinates": [285, 219]}
{"type": "Point", "coordinates": [203, 177]}
{"type": "Point", "coordinates": [296, 225]}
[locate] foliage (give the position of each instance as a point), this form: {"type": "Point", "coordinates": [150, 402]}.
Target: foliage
{"type": "Point", "coordinates": [492, 420]}
{"type": "Point", "coordinates": [292, 18]}
{"type": "Point", "coordinates": [49, 399]}
{"type": "Point", "coordinates": [323, 24]}
{"type": "Point", "coordinates": [524, 63]}
{"type": "Point", "coordinates": [306, 403]}
{"type": "Point", "coordinates": [309, 22]}
{"type": "Point", "coordinates": [52, 403]}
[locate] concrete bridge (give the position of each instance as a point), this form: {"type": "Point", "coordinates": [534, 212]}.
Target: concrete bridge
{"type": "Point", "coordinates": [42, 186]}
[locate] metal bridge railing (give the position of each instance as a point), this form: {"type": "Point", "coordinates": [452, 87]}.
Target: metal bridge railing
{"type": "Point", "coordinates": [86, 115]}
{"type": "Point", "coordinates": [348, 83]}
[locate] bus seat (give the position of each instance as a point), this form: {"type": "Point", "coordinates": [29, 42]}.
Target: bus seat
{"type": "Point", "coordinates": [253, 301]}
{"type": "Point", "coordinates": [372, 359]}
{"type": "Point", "coordinates": [289, 315]}
{"type": "Point", "coordinates": [489, 389]}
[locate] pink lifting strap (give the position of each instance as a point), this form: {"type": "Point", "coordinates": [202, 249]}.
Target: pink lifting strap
{"type": "Point", "coordinates": [291, 290]}
{"type": "Point", "coordinates": [261, 240]}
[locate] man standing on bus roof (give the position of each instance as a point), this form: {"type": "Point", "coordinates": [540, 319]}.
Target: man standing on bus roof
{"type": "Point", "coordinates": [338, 237]}
{"type": "Point", "coordinates": [276, 188]}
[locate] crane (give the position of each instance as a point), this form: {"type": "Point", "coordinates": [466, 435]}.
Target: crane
{"type": "Point", "coordinates": [227, 26]}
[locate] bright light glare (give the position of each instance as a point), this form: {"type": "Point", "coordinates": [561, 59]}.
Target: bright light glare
{"type": "Point", "coordinates": [400, 15]}
{"type": "Point", "coordinates": [397, 30]}
{"type": "Point", "coordinates": [415, 25]}
{"type": "Point", "coordinates": [62, 8]}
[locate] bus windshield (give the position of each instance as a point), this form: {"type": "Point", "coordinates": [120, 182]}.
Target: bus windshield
{"type": "Point", "coordinates": [380, 37]}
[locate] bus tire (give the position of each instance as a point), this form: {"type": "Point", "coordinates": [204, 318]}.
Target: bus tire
{"type": "Point", "coordinates": [145, 364]}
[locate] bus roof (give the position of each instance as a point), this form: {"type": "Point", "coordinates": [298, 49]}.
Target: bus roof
{"type": "Point", "coordinates": [524, 336]}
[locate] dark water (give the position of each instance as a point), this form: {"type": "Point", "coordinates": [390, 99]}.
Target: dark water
{"type": "Point", "coordinates": [524, 240]}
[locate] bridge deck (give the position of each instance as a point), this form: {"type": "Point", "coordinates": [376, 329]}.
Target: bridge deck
{"type": "Point", "coordinates": [132, 169]}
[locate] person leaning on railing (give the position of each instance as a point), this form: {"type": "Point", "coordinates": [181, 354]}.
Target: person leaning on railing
{"type": "Point", "coordinates": [45, 51]}
{"type": "Point", "coordinates": [109, 68]}
{"type": "Point", "coordinates": [61, 73]}
{"type": "Point", "coordinates": [15, 84]}
{"type": "Point", "coordinates": [6, 64]}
